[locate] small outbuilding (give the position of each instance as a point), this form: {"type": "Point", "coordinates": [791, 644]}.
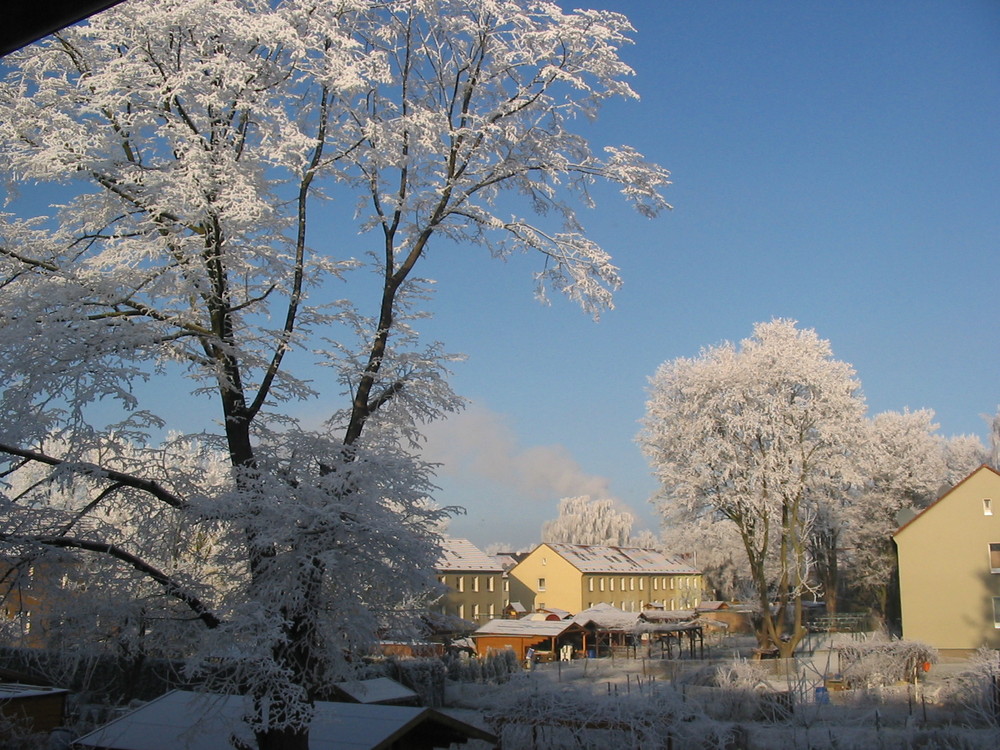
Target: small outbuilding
{"type": "Point", "coordinates": [547, 637]}
{"type": "Point", "coordinates": [39, 709]}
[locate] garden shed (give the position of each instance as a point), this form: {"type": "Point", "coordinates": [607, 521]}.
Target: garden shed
{"type": "Point", "coordinates": [547, 637]}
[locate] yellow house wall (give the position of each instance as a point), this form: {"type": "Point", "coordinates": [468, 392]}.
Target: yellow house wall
{"type": "Point", "coordinates": [569, 589]}
{"type": "Point", "coordinates": [462, 598]}
{"type": "Point", "coordinates": [673, 591]}
{"type": "Point", "coordinates": [563, 587]}
{"type": "Point", "coordinates": [946, 587]}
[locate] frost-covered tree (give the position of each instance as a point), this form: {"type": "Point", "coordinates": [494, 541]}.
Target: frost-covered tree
{"type": "Point", "coordinates": [906, 465]}
{"type": "Point", "coordinates": [903, 464]}
{"type": "Point", "coordinates": [191, 142]}
{"type": "Point", "coordinates": [994, 423]}
{"type": "Point", "coordinates": [963, 454]}
{"type": "Point", "coordinates": [758, 435]}
{"type": "Point", "coordinates": [584, 520]}
{"type": "Point", "coordinates": [715, 546]}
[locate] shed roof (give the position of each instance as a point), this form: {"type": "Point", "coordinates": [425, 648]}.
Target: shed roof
{"type": "Point", "coordinates": [606, 617]}
{"type": "Point", "coordinates": [461, 554]}
{"type": "Point", "coordinates": [593, 558]}
{"type": "Point", "coordinates": [376, 690]}
{"type": "Point", "coordinates": [526, 628]}
{"type": "Point", "coordinates": [182, 720]}
{"type": "Point", "coordinates": [13, 691]}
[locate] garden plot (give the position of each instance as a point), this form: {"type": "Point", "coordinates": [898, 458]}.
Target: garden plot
{"type": "Point", "coordinates": [736, 703]}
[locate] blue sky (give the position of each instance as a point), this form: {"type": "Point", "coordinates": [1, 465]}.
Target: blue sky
{"type": "Point", "coordinates": [833, 162]}
{"type": "Point", "coordinates": [837, 163]}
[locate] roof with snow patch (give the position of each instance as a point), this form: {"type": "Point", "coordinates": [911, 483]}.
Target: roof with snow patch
{"type": "Point", "coordinates": [461, 554]}
{"type": "Point", "coordinates": [592, 558]}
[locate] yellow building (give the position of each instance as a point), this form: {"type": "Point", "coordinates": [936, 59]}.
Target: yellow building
{"type": "Point", "coordinates": [475, 581]}
{"type": "Point", "coordinates": [949, 567]}
{"type": "Point", "coordinates": [574, 577]}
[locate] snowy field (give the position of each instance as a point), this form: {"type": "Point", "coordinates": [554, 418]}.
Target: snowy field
{"type": "Point", "coordinates": [726, 701]}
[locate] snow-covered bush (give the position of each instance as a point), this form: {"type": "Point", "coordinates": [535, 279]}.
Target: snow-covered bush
{"type": "Point", "coordinates": [975, 693]}
{"type": "Point", "coordinates": [495, 667]}
{"type": "Point", "coordinates": [877, 663]}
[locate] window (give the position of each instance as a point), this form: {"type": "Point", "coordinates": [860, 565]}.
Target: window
{"type": "Point", "coordinates": [590, 584]}
{"type": "Point", "coordinates": [506, 585]}
{"type": "Point", "coordinates": [612, 584]}
{"type": "Point", "coordinates": [602, 584]}
{"type": "Point", "coordinates": [623, 583]}
{"type": "Point", "coordinates": [671, 584]}
{"type": "Point", "coordinates": [995, 558]}
{"type": "Point", "coordinates": [996, 612]}
{"type": "Point", "coordinates": [461, 611]}
{"type": "Point", "coordinates": [475, 612]}
{"type": "Point", "coordinates": [631, 584]}
{"type": "Point", "coordinates": [490, 583]}
{"type": "Point", "coordinates": [545, 561]}
{"type": "Point", "coordinates": [541, 605]}
{"type": "Point", "coordinates": [656, 584]}
{"type": "Point", "coordinates": [460, 583]}
{"type": "Point", "coordinates": [541, 584]}
{"type": "Point", "coordinates": [475, 583]}
{"type": "Point", "coordinates": [987, 506]}
{"type": "Point", "coordinates": [492, 612]}
{"type": "Point", "coordinates": [642, 584]}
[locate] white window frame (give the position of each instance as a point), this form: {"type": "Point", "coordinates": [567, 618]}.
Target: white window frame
{"type": "Point", "coordinates": [994, 550]}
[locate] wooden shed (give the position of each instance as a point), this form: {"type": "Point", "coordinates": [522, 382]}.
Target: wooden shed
{"type": "Point", "coordinates": [40, 709]}
{"type": "Point", "coordinates": [545, 636]}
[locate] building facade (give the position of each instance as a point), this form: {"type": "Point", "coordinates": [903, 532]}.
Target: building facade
{"type": "Point", "coordinates": [949, 567]}
{"type": "Point", "coordinates": [475, 581]}
{"type": "Point", "coordinates": [575, 577]}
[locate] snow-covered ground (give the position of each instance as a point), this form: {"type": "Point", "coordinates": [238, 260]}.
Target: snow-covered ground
{"type": "Point", "coordinates": [723, 701]}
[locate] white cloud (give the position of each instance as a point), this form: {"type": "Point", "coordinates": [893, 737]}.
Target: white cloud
{"type": "Point", "coordinates": [479, 443]}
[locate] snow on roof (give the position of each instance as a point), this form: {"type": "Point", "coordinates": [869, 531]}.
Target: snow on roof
{"type": "Point", "coordinates": [592, 558]}
{"type": "Point", "coordinates": [607, 617]}
{"type": "Point", "coordinates": [376, 690]}
{"type": "Point", "coordinates": [461, 554]}
{"type": "Point", "coordinates": [10, 691]}
{"type": "Point", "coordinates": [525, 628]}
{"type": "Point", "coordinates": [183, 720]}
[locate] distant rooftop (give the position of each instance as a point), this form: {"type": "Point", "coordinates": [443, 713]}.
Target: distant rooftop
{"type": "Point", "coordinates": [592, 558]}
{"type": "Point", "coordinates": [461, 554]}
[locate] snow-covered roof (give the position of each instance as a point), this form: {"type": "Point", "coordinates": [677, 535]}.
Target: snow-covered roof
{"type": "Point", "coordinates": [607, 617]}
{"type": "Point", "coordinates": [376, 690]}
{"type": "Point", "coordinates": [201, 721]}
{"type": "Point", "coordinates": [526, 628]}
{"type": "Point", "coordinates": [461, 554]}
{"type": "Point", "coordinates": [11, 691]}
{"type": "Point", "coordinates": [667, 615]}
{"type": "Point", "coordinates": [592, 558]}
